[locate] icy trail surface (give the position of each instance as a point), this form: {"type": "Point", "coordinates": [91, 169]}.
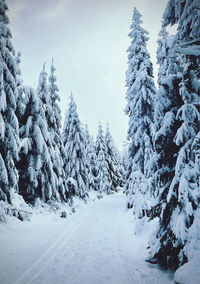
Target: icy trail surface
{"type": "Point", "coordinates": [94, 246]}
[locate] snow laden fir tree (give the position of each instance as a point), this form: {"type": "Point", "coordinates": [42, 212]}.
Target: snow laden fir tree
{"type": "Point", "coordinates": [74, 144]}
{"type": "Point", "coordinates": [9, 135]}
{"type": "Point", "coordinates": [115, 172]}
{"type": "Point", "coordinates": [102, 166]}
{"type": "Point", "coordinates": [58, 157]}
{"type": "Point", "coordinates": [140, 109]}
{"type": "Point", "coordinates": [36, 176]}
{"type": "Point", "coordinates": [47, 177]}
{"type": "Point", "coordinates": [91, 161]}
{"type": "Point", "coordinates": [177, 142]}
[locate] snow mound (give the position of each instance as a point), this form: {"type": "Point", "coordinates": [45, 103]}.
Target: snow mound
{"type": "Point", "coordinates": [189, 272]}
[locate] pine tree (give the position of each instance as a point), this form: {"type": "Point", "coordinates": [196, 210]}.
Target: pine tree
{"type": "Point", "coordinates": [91, 160]}
{"type": "Point", "coordinates": [74, 144]}
{"type": "Point", "coordinates": [47, 177]}
{"type": "Point", "coordinates": [102, 166]}
{"type": "Point", "coordinates": [168, 100]}
{"type": "Point", "coordinates": [112, 158]}
{"type": "Point", "coordinates": [87, 146]}
{"type": "Point", "coordinates": [165, 44]}
{"type": "Point", "coordinates": [36, 175]}
{"type": "Point", "coordinates": [140, 107]}
{"type": "Point", "coordinates": [125, 162]}
{"type": "Point", "coordinates": [9, 136]}
{"type": "Point", "coordinates": [176, 238]}
{"type": "Point", "coordinates": [93, 177]}
{"type": "Point", "coordinates": [32, 147]}
{"type": "Point", "coordinates": [58, 157]}
{"type": "Point", "coordinates": [20, 109]}
{"type": "Point", "coordinates": [165, 61]}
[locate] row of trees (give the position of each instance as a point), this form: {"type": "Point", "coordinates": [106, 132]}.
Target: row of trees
{"type": "Point", "coordinates": [37, 158]}
{"type": "Point", "coordinates": [164, 133]}
{"type": "Point", "coordinates": [90, 166]}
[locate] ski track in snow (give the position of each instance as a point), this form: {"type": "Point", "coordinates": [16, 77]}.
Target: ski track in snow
{"type": "Point", "coordinates": [97, 247]}
{"type": "Point", "coordinates": [48, 256]}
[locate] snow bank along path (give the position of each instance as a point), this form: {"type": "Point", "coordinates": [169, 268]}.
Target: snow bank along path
{"type": "Point", "coordinates": [94, 246]}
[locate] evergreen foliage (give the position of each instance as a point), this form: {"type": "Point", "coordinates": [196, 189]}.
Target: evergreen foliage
{"type": "Point", "coordinates": [9, 132]}
{"type": "Point", "coordinates": [47, 178]}
{"type": "Point", "coordinates": [165, 44]}
{"type": "Point", "coordinates": [74, 144]}
{"type": "Point", "coordinates": [140, 108]}
{"type": "Point", "coordinates": [54, 125]}
{"type": "Point", "coordinates": [102, 166]}
{"type": "Point", "coordinates": [177, 143]}
{"type": "Point", "coordinates": [113, 161]}
{"type": "Point", "coordinates": [125, 162]}
{"type": "Point", "coordinates": [91, 161]}
{"type": "Point", "coordinates": [21, 96]}
{"type": "Point", "coordinates": [35, 161]}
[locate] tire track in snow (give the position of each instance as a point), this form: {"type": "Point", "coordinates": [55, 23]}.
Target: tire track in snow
{"type": "Point", "coordinates": [46, 258]}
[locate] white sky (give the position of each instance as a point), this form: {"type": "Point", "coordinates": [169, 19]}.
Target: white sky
{"type": "Point", "coordinates": [88, 40]}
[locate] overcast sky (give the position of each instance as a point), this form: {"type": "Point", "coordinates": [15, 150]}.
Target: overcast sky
{"type": "Point", "coordinates": [88, 40]}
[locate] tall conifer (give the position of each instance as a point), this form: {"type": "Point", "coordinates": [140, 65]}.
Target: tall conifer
{"type": "Point", "coordinates": [9, 135]}
{"type": "Point", "coordinates": [74, 144]}
{"type": "Point", "coordinates": [177, 142]}
{"type": "Point", "coordinates": [140, 108]}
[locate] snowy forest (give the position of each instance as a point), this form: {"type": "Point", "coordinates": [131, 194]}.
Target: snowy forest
{"type": "Point", "coordinates": [49, 170]}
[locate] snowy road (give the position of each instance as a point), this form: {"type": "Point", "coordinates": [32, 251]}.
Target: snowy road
{"type": "Point", "coordinates": [95, 246]}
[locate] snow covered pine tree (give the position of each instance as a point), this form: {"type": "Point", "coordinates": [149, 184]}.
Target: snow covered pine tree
{"type": "Point", "coordinates": [36, 175]}
{"type": "Point", "coordinates": [91, 160]}
{"type": "Point", "coordinates": [21, 96]}
{"type": "Point", "coordinates": [140, 109]}
{"type": "Point", "coordinates": [9, 134]}
{"type": "Point", "coordinates": [114, 167]}
{"type": "Point", "coordinates": [168, 66]}
{"type": "Point", "coordinates": [165, 44]}
{"type": "Point", "coordinates": [102, 166]}
{"type": "Point", "coordinates": [58, 155]}
{"type": "Point", "coordinates": [47, 177]}
{"type": "Point", "coordinates": [177, 236]}
{"type": "Point", "coordinates": [73, 139]}
{"type": "Point", "coordinates": [32, 145]}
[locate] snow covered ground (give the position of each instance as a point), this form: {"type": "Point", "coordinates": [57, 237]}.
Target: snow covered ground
{"type": "Point", "coordinates": [189, 273]}
{"type": "Point", "coordinates": [96, 245]}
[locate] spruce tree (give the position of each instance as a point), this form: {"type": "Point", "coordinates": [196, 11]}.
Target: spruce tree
{"type": "Point", "coordinates": [91, 160]}
{"type": "Point", "coordinates": [140, 108]}
{"type": "Point", "coordinates": [165, 61]}
{"type": "Point", "coordinates": [32, 147]}
{"type": "Point", "coordinates": [74, 144]}
{"type": "Point", "coordinates": [176, 238]}
{"type": "Point", "coordinates": [165, 43]}
{"type": "Point", "coordinates": [93, 176]}
{"type": "Point", "coordinates": [125, 162]}
{"type": "Point", "coordinates": [47, 177]}
{"type": "Point", "coordinates": [9, 135]}
{"type": "Point", "coordinates": [58, 157]}
{"type": "Point", "coordinates": [102, 166]}
{"type": "Point", "coordinates": [21, 101]}
{"type": "Point", "coordinates": [112, 157]}
{"type": "Point", "coordinates": [87, 146]}
{"type": "Point", "coordinates": [168, 100]}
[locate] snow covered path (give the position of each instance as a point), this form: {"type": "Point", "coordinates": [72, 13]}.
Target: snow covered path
{"type": "Point", "coordinates": [95, 246]}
